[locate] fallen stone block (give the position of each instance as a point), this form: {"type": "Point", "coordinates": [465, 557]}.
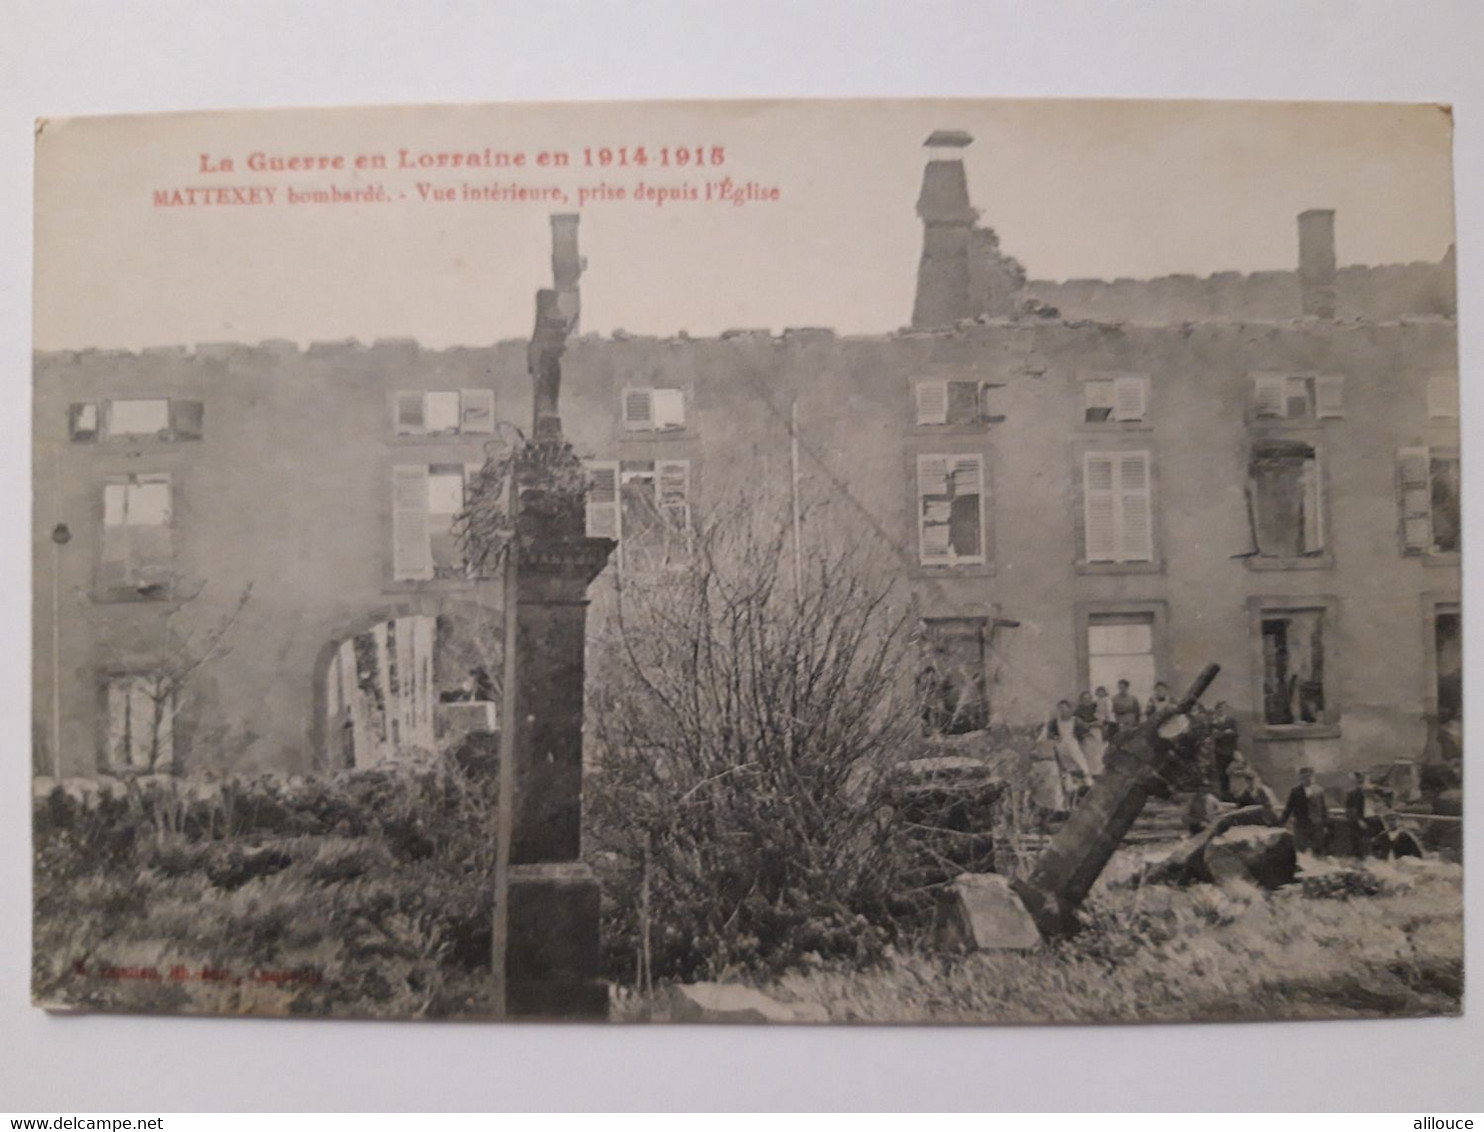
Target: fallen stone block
{"type": "Point", "coordinates": [1262, 854]}
{"type": "Point", "coordinates": [981, 912]}
{"type": "Point", "coordinates": [729, 1002]}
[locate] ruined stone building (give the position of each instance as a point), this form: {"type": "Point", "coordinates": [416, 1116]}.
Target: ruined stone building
{"type": "Point", "coordinates": [1081, 481]}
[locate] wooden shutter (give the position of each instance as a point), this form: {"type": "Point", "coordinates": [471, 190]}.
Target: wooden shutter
{"type": "Point", "coordinates": [1414, 467]}
{"type": "Point", "coordinates": [934, 511]}
{"type": "Point", "coordinates": [932, 402]}
{"type": "Point", "coordinates": [114, 563]}
{"type": "Point", "coordinates": [1270, 395]}
{"type": "Point", "coordinates": [1313, 507]}
{"type": "Point", "coordinates": [669, 408]}
{"type": "Point", "coordinates": [187, 419]}
{"type": "Point", "coordinates": [412, 550]}
{"type": "Point", "coordinates": [1130, 398]}
{"type": "Point", "coordinates": [1442, 394]}
{"type": "Point", "coordinates": [476, 410]}
{"type": "Point", "coordinates": [1329, 396]}
{"type": "Point", "coordinates": [602, 500]}
{"type": "Point", "coordinates": [638, 408]}
{"type": "Point", "coordinates": [1099, 507]}
{"type": "Point", "coordinates": [672, 488]}
{"type": "Point", "coordinates": [410, 418]}
{"type": "Point", "coordinates": [1135, 510]}
{"type": "Point", "coordinates": [118, 745]}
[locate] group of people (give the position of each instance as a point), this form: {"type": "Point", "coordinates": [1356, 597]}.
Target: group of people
{"type": "Point", "coordinates": [1075, 739]}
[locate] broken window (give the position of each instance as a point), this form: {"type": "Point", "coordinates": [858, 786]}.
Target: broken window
{"type": "Point", "coordinates": [141, 723]}
{"type": "Point", "coordinates": [1285, 494]}
{"type": "Point", "coordinates": [956, 402]}
{"type": "Point", "coordinates": [1429, 481]}
{"type": "Point", "coordinates": [653, 513]}
{"type": "Point", "coordinates": [950, 510]}
{"type": "Point", "coordinates": [1120, 646]}
{"type": "Point", "coordinates": [1122, 398]}
{"type": "Point", "coordinates": [650, 408]}
{"type": "Point", "coordinates": [443, 412]}
{"type": "Point", "coordinates": [1298, 398]}
{"type": "Point", "coordinates": [954, 683]}
{"type": "Point", "coordinates": [1118, 507]}
{"type": "Point", "coordinates": [1448, 664]}
{"type": "Point", "coordinates": [82, 421]}
{"type": "Point", "coordinates": [138, 551]}
{"type": "Point", "coordinates": [1293, 667]}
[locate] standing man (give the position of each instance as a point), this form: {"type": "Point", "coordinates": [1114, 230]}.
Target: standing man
{"type": "Point", "coordinates": [1362, 814]}
{"type": "Point", "coordinates": [1161, 700]}
{"type": "Point", "coordinates": [1224, 740]}
{"type": "Point", "coordinates": [1126, 713]}
{"type": "Point", "coordinates": [1308, 807]}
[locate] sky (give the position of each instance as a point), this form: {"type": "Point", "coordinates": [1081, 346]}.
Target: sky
{"type": "Point", "coordinates": [1074, 189]}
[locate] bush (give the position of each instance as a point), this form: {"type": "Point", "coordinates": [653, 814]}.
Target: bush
{"type": "Point", "coordinates": [741, 810]}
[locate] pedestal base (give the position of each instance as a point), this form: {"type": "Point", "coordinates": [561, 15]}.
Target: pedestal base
{"type": "Point", "coordinates": [552, 964]}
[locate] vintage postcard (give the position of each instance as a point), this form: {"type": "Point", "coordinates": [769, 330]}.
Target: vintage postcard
{"type": "Point", "coordinates": [949, 561]}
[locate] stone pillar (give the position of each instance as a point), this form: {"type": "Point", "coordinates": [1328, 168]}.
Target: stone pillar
{"type": "Point", "coordinates": [552, 964]}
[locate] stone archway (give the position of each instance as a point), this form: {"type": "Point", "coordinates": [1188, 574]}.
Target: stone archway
{"type": "Point", "coordinates": [407, 680]}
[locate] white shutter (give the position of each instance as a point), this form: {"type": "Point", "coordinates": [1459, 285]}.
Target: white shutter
{"type": "Point", "coordinates": [476, 410]}
{"type": "Point", "coordinates": [1414, 477]}
{"type": "Point", "coordinates": [1135, 512]}
{"type": "Point", "coordinates": [638, 408]}
{"type": "Point", "coordinates": [1099, 507]}
{"type": "Point", "coordinates": [672, 491]}
{"type": "Point", "coordinates": [602, 500]}
{"type": "Point", "coordinates": [669, 408]}
{"type": "Point", "coordinates": [932, 402]}
{"type": "Point", "coordinates": [1442, 394]}
{"type": "Point", "coordinates": [410, 419]}
{"type": "Point", "coordinates": [1313, 508]}
{"type": "Point", "coordinates": [412, 551]}
{"type": "Point", "coordinates": [1270, 395]}
{"type": "Point", "coordinates": [1329, 396]}
{"type": "Point", "coordinates": [1130, 398]}
{"type": "Point", "coordinates": [933, 511]}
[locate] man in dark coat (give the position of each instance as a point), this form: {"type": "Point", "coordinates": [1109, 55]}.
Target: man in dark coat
{"type": "Point", "coordinates": [1394, 841]}
{"type": "Point", "coordinates": [1308, 808]}
{"type": "Point", "coordinates": [1362, 814]}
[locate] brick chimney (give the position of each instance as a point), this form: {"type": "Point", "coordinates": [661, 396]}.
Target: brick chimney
{"type": "Point", "coordinates": [944, 292]}
{"type": "Point", "coordinates": [566, 265]}
{"type": "Point", "coordinates": [1316, 229]}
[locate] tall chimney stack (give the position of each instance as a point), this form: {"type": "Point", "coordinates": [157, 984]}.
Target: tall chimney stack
{"type": "Point", "coordinates": [1317, 262]}
{"type": "Point", "coordinates": [944, 288]}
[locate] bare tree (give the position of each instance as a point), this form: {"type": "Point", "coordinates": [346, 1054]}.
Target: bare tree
{"type": "Point", "coordinates": [746, 723]}
{"type": "Point", "coordinates": [184, 650]}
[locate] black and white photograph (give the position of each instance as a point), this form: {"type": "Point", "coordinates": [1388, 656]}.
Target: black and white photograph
{"type": "Point", "coordinates": [790, 562]}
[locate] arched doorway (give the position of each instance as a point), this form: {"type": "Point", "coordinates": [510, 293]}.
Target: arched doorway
{"type": "Point", "coordinates": [409, 685]}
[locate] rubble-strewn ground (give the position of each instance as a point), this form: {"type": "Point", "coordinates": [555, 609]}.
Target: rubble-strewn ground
{"type": "Point", "coordinates": [369, 895]}
{"type": "Point", "coordinates": [1349, 940]}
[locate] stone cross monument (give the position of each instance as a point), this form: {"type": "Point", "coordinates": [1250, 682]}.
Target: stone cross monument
{"type": "Point", "coordinates": [552, 957]}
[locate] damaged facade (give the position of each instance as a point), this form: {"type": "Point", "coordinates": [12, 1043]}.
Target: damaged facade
{"type": "Point", "coordinates": [1083, 481]}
